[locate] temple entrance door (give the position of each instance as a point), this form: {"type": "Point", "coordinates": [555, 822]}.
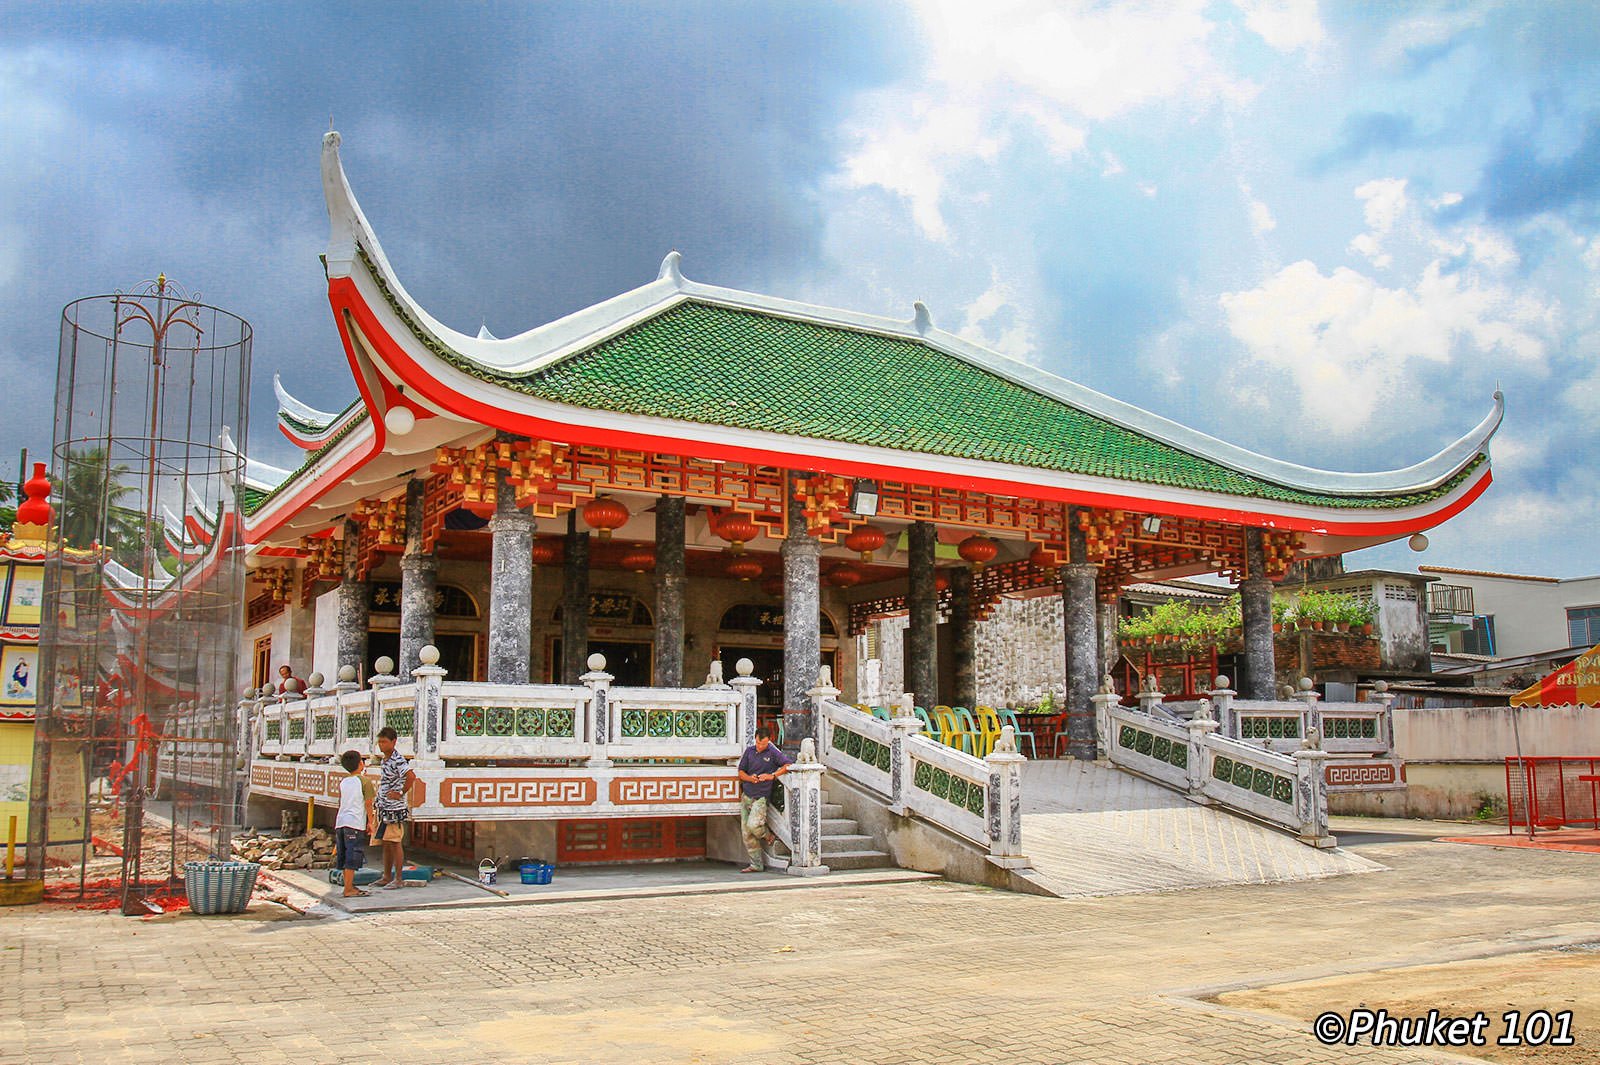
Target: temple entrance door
{"type": "Point", "coordinates": [626, 660]}
{"type": "Point", "coordinates": [458, 651]}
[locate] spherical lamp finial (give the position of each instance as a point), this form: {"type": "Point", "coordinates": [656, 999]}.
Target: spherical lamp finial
{"type": "Point", "coordinates": [597, 662]}
{"type": "Point", "coordinates": [347, 674]}
{"type": "Point", "coordinates": [744, 667]}
{"type": "Point", "coordinates": [428, 655]}
{"type": "Point", "coordinates": [383, 666]}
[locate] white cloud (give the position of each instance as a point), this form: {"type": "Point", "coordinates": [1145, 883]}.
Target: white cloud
{"type": "Point", "coordinates": [1286, 25]}
{"type": "Point", "coordinates": [1262, 220]}
{"type": "Point", "coordinates": [997, 320]}
{"type": "Point", "coordinates": [1350, 343]}
{"type": "Point", "coordinates": [999, 69]}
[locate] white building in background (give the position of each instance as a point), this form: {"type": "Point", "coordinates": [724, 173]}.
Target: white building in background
{"type": "Point", "coordinates": [1510, 619]}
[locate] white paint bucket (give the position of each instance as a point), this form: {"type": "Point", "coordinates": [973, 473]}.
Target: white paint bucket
{"type": "Point", "coordinates": [487, 871]}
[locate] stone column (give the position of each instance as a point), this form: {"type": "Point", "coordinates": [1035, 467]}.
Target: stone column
{"type": "Point", "coordinates": [510, 587]}
{"type": "Point", "coordinates": [1082, 643]}
{"type": "Point", "coordinates": [1255, 600]}
{"type": "Point", "coordinates": [669, 591]}
{"type": "Point", "coordinates": [922, 638]}
{"type": "Point", "coordinates": [802, 620]}
{"type": "Point", "coordinates": [353, 605]}
{"type": "Point", "coordinates": [575, 604]}
{"type": "Point", "coordinates": [419, 572]}
{"type": "Point", "coordinates": [963, 636]}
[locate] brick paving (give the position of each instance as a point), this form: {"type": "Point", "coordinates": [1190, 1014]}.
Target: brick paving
{"type": "Point", "coordinates": [888, 973]}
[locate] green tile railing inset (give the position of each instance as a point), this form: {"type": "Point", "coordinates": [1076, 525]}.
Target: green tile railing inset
{"type": "Point", "coordinates": [674, 724]}
{"type": "Point", "coordinates": [964, 794]}
{"type": "Point", "coordinates": [1269, 728]}
{"type": "Point", "coordinates": [1350, 728]}
{"type": "Point", "coordinates": [324, 729]}
{"type": "Point", "coordinates": [274, 729]}
{"type": "Point", "coordinates": [864, 750]}
{"type": "Point", "coordinates": [358, 724]}
{"type": "Point", "coordinates": [523, 722]}
{"type": "Point", "coordinates": [402, 719]}
{"type": "Point", "coordinates": [1161, 748]}
{"type": "Point", "coordinates": [1253, 779]}
{"type": "Point", "coordinates": [297, 728]}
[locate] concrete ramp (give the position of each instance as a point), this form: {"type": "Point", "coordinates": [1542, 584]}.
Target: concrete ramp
{"type": "Point", "coordinates": [1092, 829]}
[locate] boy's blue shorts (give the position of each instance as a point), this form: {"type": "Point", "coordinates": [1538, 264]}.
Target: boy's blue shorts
{"type": "Point", "coordinates": [349, 848]}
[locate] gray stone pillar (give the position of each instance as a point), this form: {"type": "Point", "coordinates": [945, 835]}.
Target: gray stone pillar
{"type": "Point", "coordinates": [1255, 601]}
{"type": "Point", "coordinates": [922, 637]}
{"type": "Point", "coordinates": [575, 604]}
{"type": "Point", "coordinates": [419, 572]}
{"type": "Point", "coordinates": [963, 638]}
{"type": "Point", "coordinates": [510, 587]}
{"type": "Point", "coordinates": [802, 621]}
{"type": "Point", "coordinates": [353, 605]}
{"type": "Point", "coordinates": [1082, 643]}
{"type": "Point", "coordinates": [669, 591]}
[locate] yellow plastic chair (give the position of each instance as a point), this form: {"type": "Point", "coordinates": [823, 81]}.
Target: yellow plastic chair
{"type": "Point", "coordinates": [988, 727]}
{"type": "Point", "coordinates": [954, 731]}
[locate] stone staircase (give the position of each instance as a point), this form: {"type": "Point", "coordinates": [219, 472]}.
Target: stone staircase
{"type": "Point", "coordinates": [844, 846]}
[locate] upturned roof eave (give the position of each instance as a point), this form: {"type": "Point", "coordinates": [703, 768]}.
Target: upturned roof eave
{"type": "Point", "coordinates": [545, 345]}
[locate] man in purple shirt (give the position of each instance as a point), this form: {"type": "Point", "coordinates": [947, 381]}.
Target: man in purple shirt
{"type": "Point", "coordinates": [759, 767]}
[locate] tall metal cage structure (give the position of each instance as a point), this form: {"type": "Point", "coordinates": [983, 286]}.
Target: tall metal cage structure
{"type": "Point", "coordinates": [137, 728]}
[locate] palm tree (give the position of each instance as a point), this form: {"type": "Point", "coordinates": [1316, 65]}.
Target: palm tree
{"type": "Point", "coordinates": [94, 506]}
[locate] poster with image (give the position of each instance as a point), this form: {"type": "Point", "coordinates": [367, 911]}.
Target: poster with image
{"type": "Point", "coordinates": [24, 606]}
{"type": "Point", "coordinates": [19, 676]}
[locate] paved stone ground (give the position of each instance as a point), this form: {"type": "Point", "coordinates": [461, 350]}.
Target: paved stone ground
{"type": "Point", "coordinates": [918, 972]}
{"type": "Point", "coordinates": [1091, 829]}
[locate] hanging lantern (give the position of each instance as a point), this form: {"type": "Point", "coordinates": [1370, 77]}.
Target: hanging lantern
{"type": "Point", "coordinates": [1043, 558]}
{"type": "Point", "coordinates": [545, 552]}
{"type": "Point", "coordinates": [865, 539]}
{"type": "Point", "coordinates": [978, 550]}
{"type": "Point", "coordinates": [773, 586]}
{"type": "Point", "coordinates": [941, 580]}
{"type": "Point", "coordinates": [604, 514]}
{"type": "Point", "coordinates": [843, 575]}
{"type": "Point", "coordinates": [736, 528]}
{"type": "Point", "coordinates": [639, 559]}
{"type": "Point", "coordinates": [743, 568]}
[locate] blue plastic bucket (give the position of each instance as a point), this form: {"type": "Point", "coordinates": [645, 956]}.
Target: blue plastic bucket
{"type": "Point", "coordinates": [536, 872]}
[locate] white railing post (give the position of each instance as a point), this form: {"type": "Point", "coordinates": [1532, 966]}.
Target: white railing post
{"type": "Point", "coordinates": [1382, 694]}
{"type": "Point", "coordinates": [1222, 697]}
{"type": "Point", "coordinates": [252, 728]}
{"type": "Point", "coordinates": [1104, 701]}
{"type": "Point", "coordinates": [429, 679]}
{"type": "Point", "coordinates": [1310, 792]}
{"type": "Point", "coordinates": [345, 684]}
{"type": "Point", "coordinates": [802, 805]}
{"type": "Point", "coordinates": [903, 725]}
{"type": "Point", "coordinates": [1150, 697]}
{"type": "Point", "coordinates": [1312, 713]}
{"type": "Point", "coordinates": [822, 692]}
{"type": "Point", "coordinates": [1003, 801]}
{"type": "Point", "coordinates": [383, 677]}
{"type": "Point", "coordinates": [744, 731]}
{"type": "Point", "coordinates": [1200, 726]}
{"type": "Point", "coordinates": [598, 681]}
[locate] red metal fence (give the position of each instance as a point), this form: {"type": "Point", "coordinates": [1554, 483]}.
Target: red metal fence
{"type": "Point", "coordinates": [1552, 791]}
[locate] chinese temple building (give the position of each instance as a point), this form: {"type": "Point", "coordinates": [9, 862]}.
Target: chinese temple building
{"type": "Point", "coordinates": [687, 474]}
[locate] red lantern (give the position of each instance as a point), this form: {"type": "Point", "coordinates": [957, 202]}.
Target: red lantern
{"type": "Point", "coordinates": [1043, 558]}
{"type": "Point", "coordinates": [978, 550]}
{"type": "Point", "coordinates": [736, 528]}
{"type": "Point", "coordinates": [545, 552]}
{"type": "Point", "coordinates": [743, 568]}
{"type": "Point", "coordinates": [773, 586]}
{"type": "Point", "coordinates": [604, 514]}
{"type": "Point", "coordinates": [941, 580]}
{"type": "Point", "coordinates": [865, 539]}
{"type": "Point", "coordinates": [843, 575]}
{"type": "Point", "coordinates": [639, 558]}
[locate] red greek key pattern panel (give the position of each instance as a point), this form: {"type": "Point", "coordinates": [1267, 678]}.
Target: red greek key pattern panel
{"type": "Point", "coordinates": [634, 791]}
{"type": "Point", "coordinates": [458, 792]}
{"type": "Point", "coordinates": [1355, 774]}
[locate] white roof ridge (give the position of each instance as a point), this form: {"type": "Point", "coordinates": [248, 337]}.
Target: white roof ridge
{"type": "Point", "coordinates": [544, 345]}
{"type": "Point", "coordinates": [294, 408]}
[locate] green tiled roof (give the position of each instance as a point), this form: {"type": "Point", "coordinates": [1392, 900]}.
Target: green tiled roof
{"type": "Point", "coordinates": [700, 362]}
{"type": "Point", "coordinates": [254, 500]}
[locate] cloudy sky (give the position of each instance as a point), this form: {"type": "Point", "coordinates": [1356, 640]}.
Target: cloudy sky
{"type": "Point", "coordinates": [1323, 231]}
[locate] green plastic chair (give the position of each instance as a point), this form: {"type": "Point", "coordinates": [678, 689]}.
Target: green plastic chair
{"type": "Point", "coordinates": [1009, 717]}
{"type": "Point", "coordinates": [880, 713]}
{"type": "Point", "coordinates": [929, 726]}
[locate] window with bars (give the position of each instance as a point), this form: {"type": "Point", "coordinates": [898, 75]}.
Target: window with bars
{"type": "Point", "coordinates": [1583, 626]}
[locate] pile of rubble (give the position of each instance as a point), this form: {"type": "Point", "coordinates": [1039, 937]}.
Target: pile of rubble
{"type": "Point", "coordinates": [283, 851]}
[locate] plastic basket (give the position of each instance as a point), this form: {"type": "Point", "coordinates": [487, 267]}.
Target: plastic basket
{"type": "Point", "coordinates": [219, 887]}
{"type": "Point", "coordinates": [536, 872]}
